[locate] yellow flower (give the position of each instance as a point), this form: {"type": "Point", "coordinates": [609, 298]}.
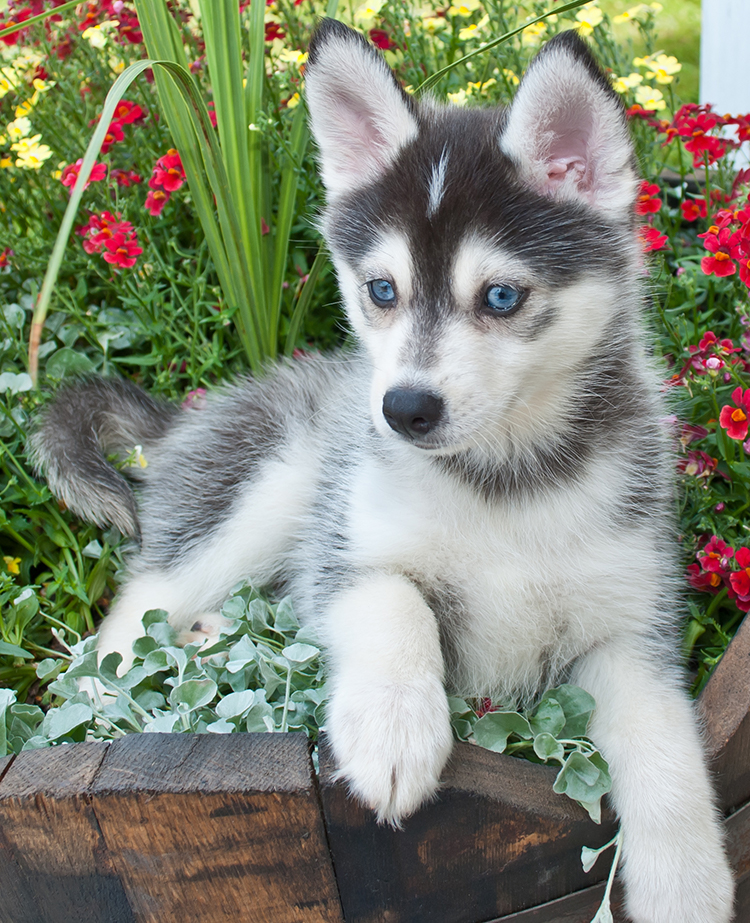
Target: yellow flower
{"type": "Point", "coordinates": [623, 84]}
{"type": "Point", "coordinates": [292, 56]}
{"type": "Point", "coordinates": [660, 67]}
{"type": "Point", "coordinates": [30, 154]}
{"type": "Point", "coordinates": [20, 128]}
{"type": "Point", "coordinates": [476, 89]}
{"type": "Point", "coordinates": [588, 17]}
{"type": "Point", "coordinates": [6, 162]}
{"type": "Point", "coordinates": [293, 101]}
{"type": "Point", "coordinates": [431, 22]}
{"type": "Point", "coordinates": [97, 36]}
{"type": "Point", "coordinates": [532, 35]}
{"type": "Point", "coordinates": [650, 98]}
{"type": "Point", "coordinates": [12, 564]}
{"type": "Point", "coordinates": [639, 12]}
{"type": "Point", "coordinates": [465, 9]}
{"type": "Point", "coordinates": [510, 76]}
{"type": "Point", "coordinates": [459, 98]}
{"type": "Point", "coordinates": [366, 14]}
{"type": "Point", "coordinates": [473, 29]}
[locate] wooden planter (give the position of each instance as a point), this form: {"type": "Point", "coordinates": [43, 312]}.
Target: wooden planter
{"type": "Point", "coordinates": [209, 829]}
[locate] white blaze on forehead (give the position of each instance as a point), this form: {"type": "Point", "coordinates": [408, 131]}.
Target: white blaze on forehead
{"type": "Point", "coordinates": [478, 262]}
{"type": "Point", "coordinates": [437, 183]}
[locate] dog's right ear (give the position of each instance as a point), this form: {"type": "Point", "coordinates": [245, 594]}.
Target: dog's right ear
{"type": "Point", "coordinates": [359, 115]}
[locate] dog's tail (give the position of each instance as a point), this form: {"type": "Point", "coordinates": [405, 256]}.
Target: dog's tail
{"type": "Point", "coordinates": [85, 423]}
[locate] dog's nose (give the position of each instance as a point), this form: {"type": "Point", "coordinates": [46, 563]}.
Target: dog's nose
{"type": "Point", "coordinates": [412, 413]}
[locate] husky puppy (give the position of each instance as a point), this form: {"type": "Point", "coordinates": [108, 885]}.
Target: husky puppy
{"type": "Point", "coordinates": [477, 499]}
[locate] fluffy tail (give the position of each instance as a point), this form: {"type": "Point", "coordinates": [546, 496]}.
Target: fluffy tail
{"type": "Point", "coordinates": [83, 424]}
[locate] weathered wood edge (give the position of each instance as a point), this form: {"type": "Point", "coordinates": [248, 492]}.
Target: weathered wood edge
{"type": "Point", "coordinates": [56, 868]}
{"type": "Point", "coordinates": [725, 707]}
{"type": "Point", "coordinates": [203, 828]}
{"type": "Point", "coordinates": [496, 840]}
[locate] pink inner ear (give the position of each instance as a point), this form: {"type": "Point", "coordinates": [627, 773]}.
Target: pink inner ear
{"type": "Point", "coordinates": [568, 154]}
{"type": "Point", "coordinates": [558, 170]}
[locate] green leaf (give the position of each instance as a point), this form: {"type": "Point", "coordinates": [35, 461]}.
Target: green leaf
{"type": "Point", "coordinates": [547, 748]}
{"type": "Point", "coordinates": [285, 619]}
{"type": "Point", "coordinates": [61, 722]}
{"type": "Point", "coordinates": [578, 706]}
{"type": "Point", "coordinates": [7, 698]}
{"type": "Point", "coordinates": [13, 650]}
{"type": "Point", "coordinates": [67, 361]}
{"type": "Point", "coordinates": [493, 729]}
{"type": "Point", "coordinates": [300, 654]}
{"type": "Point", "coordinates": [549, 717]}
{"type": "Point", "coordinates": [193, 694]}
{"type": "Point", "coordinates": [235, 704]}
{"type": "Point", "coordinates": [585, 779]}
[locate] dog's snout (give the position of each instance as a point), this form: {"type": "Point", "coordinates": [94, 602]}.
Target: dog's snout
{"type": "Point", "coordinates": [412, 413]}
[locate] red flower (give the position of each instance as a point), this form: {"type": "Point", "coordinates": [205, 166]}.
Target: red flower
{"type": "Point", "coordinates": [724, 245]}
{"type": "Point", "coordinates": [101, 228]}
{"type": "Point", "coordinates": [5, 257]}
{"type": "Point", "coordinates": [697, 463]}
{"type": "Point", "coordinates": [381, 38]}
{"type": "Point", "coordinates": [114, 134]}
{"type": "Point", "coordinates": [127, 113]}
{"type": "Point", "coordinates": [734, 419]}
{"type": "Point", "coordinates": [651, 239]}
{"type": "Point", "coordinates": [122, 250]}
{"type": "Point", "coordinates": [715, 556]}
{"type": "Point", "coordinates": [739, 581]}
{"type": "Point", "coordinates": [17, 18]}
{"type": "Point", "coordinates": [156, 200]}
{"type": "Point", "coordinates": [168, 173]}
{"type": "Point", "coordinates": [700, 580]}
{"type": "Point", "coordinates": [126, 177]}
{"type": "Point", "coordinates": [693, 209]}
{"type": "Point", "coordinates": [274, 30]}
{"type": "Point", "coordinates": [70, 174]}
{"type": "Point", "coordinates": [647, 202]}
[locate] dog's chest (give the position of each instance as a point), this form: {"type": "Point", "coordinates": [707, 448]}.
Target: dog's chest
{"type": "Point", "coordinates": [520, 589]}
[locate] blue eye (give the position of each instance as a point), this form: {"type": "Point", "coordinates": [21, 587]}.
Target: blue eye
{"type": "Point", "coordinates": [502, 299]}
{"type": "Point", "coordinates": [381, 292]}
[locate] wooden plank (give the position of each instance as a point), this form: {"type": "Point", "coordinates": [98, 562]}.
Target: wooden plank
{"type": "Point", "coordinates": [574, 908]}
{"type": "Point", "coordinates": [725, 704]}
{"type": "Point", "coordinates": [209, 829]}
{"type": "Point", "coordinates": [56, 867]}
{"type": "Point", "coordinates": [497, 840]}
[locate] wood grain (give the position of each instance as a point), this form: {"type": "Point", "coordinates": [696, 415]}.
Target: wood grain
{"type": "Point", "coordinates": [496, 840]}
{"type": "Point", "coordinates": [725, 705]}
{"type": "Point", "coordinates": [210, 829]}
{"type": "Point", "coordinates": [55, 866]}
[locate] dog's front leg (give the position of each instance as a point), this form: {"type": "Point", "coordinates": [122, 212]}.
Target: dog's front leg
{"type": "Point", "coordinates": [675, 869]}
{"type": "Point", "coordinates": [388, 717]}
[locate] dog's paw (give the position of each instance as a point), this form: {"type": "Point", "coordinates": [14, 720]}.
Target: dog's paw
{"type": "Point", "coordinates": [673, 884]}
{"type": "Point", "coordinates": [204, 629]}
{"type": "Point", "coordinates": [390, 742]}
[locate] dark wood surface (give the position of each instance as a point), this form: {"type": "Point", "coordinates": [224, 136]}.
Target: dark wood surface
{"type": "Point", "coordinates": [496, 840]}
{"type": "Point", "coordinates": [55, 866]}
{"type": "Point", "coordinates": [725, 703]}
{"type": "Point", "coordinates": [211, 830]}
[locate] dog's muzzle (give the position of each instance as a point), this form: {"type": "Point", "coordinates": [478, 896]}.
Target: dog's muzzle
{"type": "Point", "coordinates": [412, 413]}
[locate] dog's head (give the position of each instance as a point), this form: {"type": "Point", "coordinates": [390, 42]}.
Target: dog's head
{"type": "Point", "coordinates": [484, 255]}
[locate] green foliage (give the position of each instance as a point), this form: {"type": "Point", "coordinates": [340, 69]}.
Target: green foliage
{"type": "Point", "coordinates": [554, 730]}
{"type": "Point", "coordinates": [264, 673]}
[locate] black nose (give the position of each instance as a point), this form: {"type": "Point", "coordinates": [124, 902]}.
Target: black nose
{"type": "Point", "coordinates": [411, 413]}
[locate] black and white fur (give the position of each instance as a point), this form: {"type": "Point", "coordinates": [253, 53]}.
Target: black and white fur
{"type": "Point", "coordinates": [477, 499]}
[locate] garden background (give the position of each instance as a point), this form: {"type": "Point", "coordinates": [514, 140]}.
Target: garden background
{"type": "Point", "coordinates": [193, 257]}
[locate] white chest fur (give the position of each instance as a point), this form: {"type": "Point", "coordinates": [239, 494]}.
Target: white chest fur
{"type": "Point", "coordinates": [529, 584]}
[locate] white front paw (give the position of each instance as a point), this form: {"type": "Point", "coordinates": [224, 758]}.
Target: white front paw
{"type": "Point", "coordinates": [679, 885]}
{"type": "Point", "coordinates": [391, 742]}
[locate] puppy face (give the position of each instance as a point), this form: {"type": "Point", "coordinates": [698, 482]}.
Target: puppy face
{"type": "Point", "coordinates": [481, 268]}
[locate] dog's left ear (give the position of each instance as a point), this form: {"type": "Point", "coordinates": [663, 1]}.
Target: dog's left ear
{"type": "Point", "coordinates": [567, 132]}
